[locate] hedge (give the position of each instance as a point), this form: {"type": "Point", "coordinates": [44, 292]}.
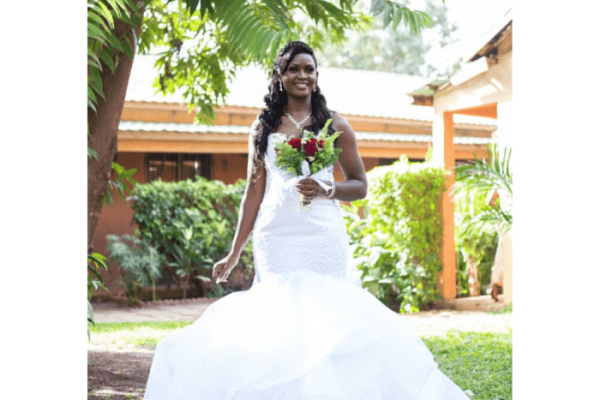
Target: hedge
{"type": "Point", "coordinates": [398, 241]}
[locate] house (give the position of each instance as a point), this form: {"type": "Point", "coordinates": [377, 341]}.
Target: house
{"type": "Point", "coordinates": [157, 135]}
{"type": "Point", "coordinates": [482, 88]}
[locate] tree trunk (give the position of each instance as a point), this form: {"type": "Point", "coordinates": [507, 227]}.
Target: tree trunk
{"type": "Point", "coordinates": [103, 127]}
{"type": "Point", "coordinates": [473, 274]}
{"type": "Point", "coordinates": [187, 285]}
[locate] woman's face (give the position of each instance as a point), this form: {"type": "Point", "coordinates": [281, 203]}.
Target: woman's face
{"type": "Point", "coordinates": [300, 77]}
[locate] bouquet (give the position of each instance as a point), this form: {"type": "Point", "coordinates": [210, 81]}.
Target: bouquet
{"type": "Point", "coordinates": [309, 154]}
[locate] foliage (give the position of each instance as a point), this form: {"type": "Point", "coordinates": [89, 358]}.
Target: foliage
{"type": "Point", "coordinates": [201, 44]}
{"type": "Point", "coordinates": [394, 50]}
{"type": "Point", "coordinates": [139, 262]}
{"type": "Point", "coordinates": [119, 183]}
{"type": "Point", "coordinates": [219, 292]}
{"type": "Point", "coordinates": [96, 262]}
{"type": "Point", "coordinates": [327, 154]}
{"type": "Point", "coordinates": [104, 47]}
{"type": "Point", "coordinates": [190, 223]}
{"type": "Point", "coordinates": [478, 245]}
{"type": "Point", "coordinates": [488, 176]}
{"type": "Point", "coordinates": [199, 51]}
{"type": "Point", "coordinates": [397, 244]}
{"type": "Point", "coordinates": [475, 361]}
{"type": "Point", "coordinates": [103, 44]}
{"type": "Point", "coordinates": [394, 13]}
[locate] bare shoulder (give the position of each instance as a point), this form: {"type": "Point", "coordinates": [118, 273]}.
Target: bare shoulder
{"type": "Point", "coordinates": [340, 123]}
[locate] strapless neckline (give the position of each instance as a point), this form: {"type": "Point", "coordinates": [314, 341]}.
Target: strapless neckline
{"type": "Point", "coordinates": [281, 134]}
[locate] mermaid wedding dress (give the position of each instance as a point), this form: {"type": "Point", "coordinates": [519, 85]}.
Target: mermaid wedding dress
{"type": "Point", "coordinates": [304, 330]}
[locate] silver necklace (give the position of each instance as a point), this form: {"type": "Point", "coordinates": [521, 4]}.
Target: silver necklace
{"type": "Point", "coordinates": [297, 123]}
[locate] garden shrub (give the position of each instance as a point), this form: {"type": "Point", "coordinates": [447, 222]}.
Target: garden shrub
{"type": "Point", "coordinates": [191, 224]}
{"type": "Point", "coordinates": [140, 264]}
{"type": "Point", "coordinates": [398, 242]}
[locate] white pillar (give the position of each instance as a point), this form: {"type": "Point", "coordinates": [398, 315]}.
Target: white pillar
{"type": "Point", "coordinates": [438, 137]}
{"type": "Point", "coordinates": [504, 137]}
{"type": "Point", "coordinates": [504, 132]}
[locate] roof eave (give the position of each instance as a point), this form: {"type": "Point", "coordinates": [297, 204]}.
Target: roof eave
{"type": "Point", "coordinates": [492, 44]}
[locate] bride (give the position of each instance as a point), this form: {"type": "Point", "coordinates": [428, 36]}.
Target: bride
{"type": "Point", "coordinates": [304, 330]}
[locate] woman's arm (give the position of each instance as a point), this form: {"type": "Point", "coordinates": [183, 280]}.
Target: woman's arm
{"type": "Point", "coordinates": [355, 185]}
{"type": "Point", "coordinates": [249, 207]}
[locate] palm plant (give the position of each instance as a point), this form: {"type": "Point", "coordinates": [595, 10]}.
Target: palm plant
{"type": "Point", "coordinates": [493, 177]}
{"type": "Point", "coordinates": [479, 214]}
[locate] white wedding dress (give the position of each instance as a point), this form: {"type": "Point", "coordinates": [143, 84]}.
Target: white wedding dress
{"type": "Point", "coordinates": [304, 330]}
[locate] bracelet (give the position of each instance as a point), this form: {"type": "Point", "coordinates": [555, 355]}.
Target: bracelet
{"type": "Point", "coordinates": [332, 189]}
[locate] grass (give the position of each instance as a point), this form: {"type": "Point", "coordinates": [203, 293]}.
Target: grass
{"type": "Point", "coordinates": [133, 334]}
{"type": "Point", "coordinates": [505, 310]}
{"type": "Point", "coordinates": [476, 361]}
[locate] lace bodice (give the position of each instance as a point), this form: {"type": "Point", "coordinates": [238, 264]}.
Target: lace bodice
{"type": "Point", "coordinates": [283, 227]}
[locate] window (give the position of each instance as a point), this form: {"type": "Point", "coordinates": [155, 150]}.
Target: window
{"type": "Point", "coordinates": [387, 161]}
{"type": "Point", "coordinates": [172, 167]}
{"type": "Point", "coordinates": [463, 162]}
{"type": "Point", "coordinates": [390, 161]}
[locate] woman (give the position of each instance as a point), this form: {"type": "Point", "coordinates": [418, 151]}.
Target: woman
{"type": "Point", "coordinates": [303, 331]}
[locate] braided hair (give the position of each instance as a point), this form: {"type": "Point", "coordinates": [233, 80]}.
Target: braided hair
{"type": "Point", "coordinates": [276, 100]}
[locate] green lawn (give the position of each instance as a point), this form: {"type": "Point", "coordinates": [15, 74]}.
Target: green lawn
{"type": "Point", "coordinates": [133, 334]}
{"type": "Point", "coordinates": [479, 362]}
{"type": "Point", "coordinates": [505, 310]}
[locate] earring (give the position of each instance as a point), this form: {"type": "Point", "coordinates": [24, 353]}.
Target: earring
{"type": "Point", "coordinates": [280, 86]}
{"type": "Point", "coordinates": [315, 89]}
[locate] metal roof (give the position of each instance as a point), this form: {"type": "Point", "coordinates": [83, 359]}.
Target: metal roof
{"type": "Point", "coordinates": [176, 127]}
{"type": "Point", "coordinates": [490, 37]}
{"type": "Point", "coordinates": [354, 92]}
{"type": "Point", "coordinates": [236, 129]}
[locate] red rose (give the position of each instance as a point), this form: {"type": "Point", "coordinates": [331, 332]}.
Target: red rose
{"type": "Point", "coordinates": [310, 147]}
{"type": "Point", "coordinates": [295, 143]}
{"type": "Point", "coordinates": [321, 143]}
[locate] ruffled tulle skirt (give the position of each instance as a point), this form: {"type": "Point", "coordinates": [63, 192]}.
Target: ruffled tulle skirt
{"type": "Point", "coordinates": [297, 336]}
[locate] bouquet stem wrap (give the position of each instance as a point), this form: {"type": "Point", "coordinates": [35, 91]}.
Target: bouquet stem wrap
{"type": "Point", "coordinates": [318, 176]}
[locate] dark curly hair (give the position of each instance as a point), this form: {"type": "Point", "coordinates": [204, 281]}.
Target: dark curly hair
{"type": "Point", "coordinates": [276, 100]}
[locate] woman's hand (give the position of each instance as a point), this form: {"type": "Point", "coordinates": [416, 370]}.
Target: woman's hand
{"type": "Point", "coordinates": [309, 189]}
{"type": "Point", "coordinates": [223, 268]}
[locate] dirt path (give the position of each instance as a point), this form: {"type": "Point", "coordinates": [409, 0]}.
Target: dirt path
{"type": "Point", "coordinates": [116, 375]}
